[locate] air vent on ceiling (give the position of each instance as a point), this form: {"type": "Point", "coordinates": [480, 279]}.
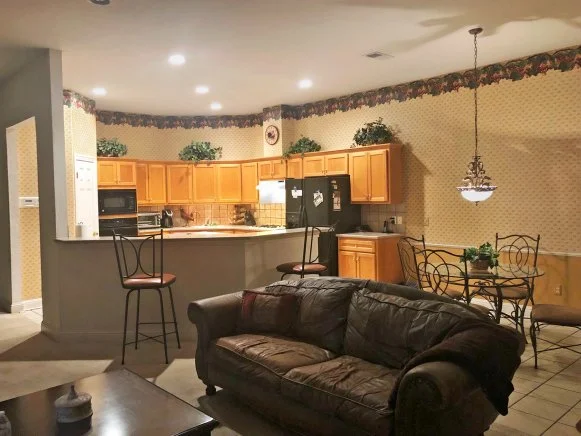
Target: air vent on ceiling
{"type": "Point", "coordinates": [379, 55]}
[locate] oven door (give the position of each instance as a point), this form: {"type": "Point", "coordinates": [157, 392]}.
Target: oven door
{"type": "Point", "coordinates": [117, 201]}
{"type": "Point", "coordinates": [121, 226]}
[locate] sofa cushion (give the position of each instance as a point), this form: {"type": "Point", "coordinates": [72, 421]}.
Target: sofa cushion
{"type": "Point", "coordinates": [352, 389]}
{"type": "Point", "coordinates": [263, 358]}
{"type": "Point", "coordinates": [390, 330]}
{"type": "Point", "coordinates": [323, 309]}
{"type": "Point", "coordinates": [270, 313]}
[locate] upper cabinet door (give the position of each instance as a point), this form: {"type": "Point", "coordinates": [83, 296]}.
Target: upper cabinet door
{"type": "Point", "coordinates": [229, 183]}
{"type": "Point", "coordinates": [278, 169]}
{"type": "Point", "coordinates": [142, 182]}
{"type": "Point", "coordinates": [358, 170]}
{"type": "Point", "coordinates": [314, 166]}
{"type": "Point", "coordinates": [336, 164]}
{"type": "Point", "coordinates": [126, 173]}
{"type": "Point", "coordinates": [156, 183]}
{"type": "Point", "coordinates": [249, 182]}
{"type": "Point", "coordinates": [107, 173]}
{"type": "Point", "coordinates": [378, 176]}
{"type": "Point", "coordinates": [205, 183]}
{"type": "Point", "coordinates": [179, 184]}
{"type": "Point", "coordinates": [265, 170]}
{"type": "Point", "coordinates": [294, 168]}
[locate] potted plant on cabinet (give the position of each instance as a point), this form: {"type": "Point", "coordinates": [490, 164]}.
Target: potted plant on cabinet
{"type": "Point", "coordinates": [375, 132]}
{"type": "Point", "coordinates": [301, 146]}
{"type": "Point", "coordinates": [110, 148]}
{"type": "Point", "coordinates": [200, 150]}
{"type": "Point", "coordinates": [481, 258]}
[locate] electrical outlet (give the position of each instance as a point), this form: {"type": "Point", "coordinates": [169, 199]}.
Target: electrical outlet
{"type": "Point", "coordinates": [559, 290]}
{"type": "Point", "coordinates": [399, 219]}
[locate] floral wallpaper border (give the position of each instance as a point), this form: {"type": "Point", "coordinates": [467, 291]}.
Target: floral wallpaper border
{"type": "Point", "coordinates": [74, 99]}
{"type": "Point", "coordinates": [563, 60]}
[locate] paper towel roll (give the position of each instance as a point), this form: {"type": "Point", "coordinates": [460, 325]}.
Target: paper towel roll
{"type": "Point", "coordinates": [83, 231]}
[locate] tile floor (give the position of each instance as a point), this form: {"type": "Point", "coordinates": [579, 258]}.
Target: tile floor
{"type": "Point", "coordinates": [546, 400]}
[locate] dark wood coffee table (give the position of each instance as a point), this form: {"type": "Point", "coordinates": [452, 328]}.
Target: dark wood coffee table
{"type": "Point", "coordinates": [123, 404]}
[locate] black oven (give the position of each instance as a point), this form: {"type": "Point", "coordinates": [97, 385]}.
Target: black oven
{"type": "Point", "coordinates": [117, 201]}
{"type": "Point", "coordinates": [122, 226]}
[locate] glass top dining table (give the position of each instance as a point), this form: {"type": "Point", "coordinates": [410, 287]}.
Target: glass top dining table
{"type": "Point", "coordinates": [504, 271]}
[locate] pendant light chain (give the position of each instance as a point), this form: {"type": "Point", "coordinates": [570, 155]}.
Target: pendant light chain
{"type": "Point", "coordinates": [476, 83]}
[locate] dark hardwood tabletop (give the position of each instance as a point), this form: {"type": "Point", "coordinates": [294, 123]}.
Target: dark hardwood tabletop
{"type": "Point", "coordinates": [123, 404]}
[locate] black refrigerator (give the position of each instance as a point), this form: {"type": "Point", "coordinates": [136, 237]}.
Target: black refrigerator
{"type": "Point", "coordinates": [322, 201]}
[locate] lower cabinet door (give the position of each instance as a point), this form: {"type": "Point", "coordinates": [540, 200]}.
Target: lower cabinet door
{"type": "Point", "coordinates": [367, 267]}
{"type": "Point", "coordinates": [347, 264]}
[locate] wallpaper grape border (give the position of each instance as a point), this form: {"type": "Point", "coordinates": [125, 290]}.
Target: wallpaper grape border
{"type": "Point", "coordinates": [562, 60]}
{"type": "Point", "coordinates": [74, 99]}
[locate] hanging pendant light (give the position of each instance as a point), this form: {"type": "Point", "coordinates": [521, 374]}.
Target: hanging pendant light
{"type": "Point", "coordinates": [477, 185]}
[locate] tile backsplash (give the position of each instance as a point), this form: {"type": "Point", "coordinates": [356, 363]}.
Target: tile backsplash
{"type": "Point", "coordinates": [375, 214]}
{"type": "Point", "coordinates": [264, 214]}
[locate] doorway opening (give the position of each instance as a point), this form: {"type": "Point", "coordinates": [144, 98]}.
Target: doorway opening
{"type": "Point", "coordinates": [24, 217]}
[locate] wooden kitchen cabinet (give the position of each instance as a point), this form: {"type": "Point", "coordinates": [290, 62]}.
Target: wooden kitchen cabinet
{"type": "Point", "coordinates": [272, 169]}
{"type": "Point", "coordinates": [179, 183]}
{"type": "Point", "coordinates": [150, 183]}
{"type": "Point", "coordinates": [373, 258]}
{"type": "Point", "coordinates": [376, 175]}
{"type": "Point", "coordinates": [229, 183]}
{"type": "Point", "coordinates": [205, 178]}
{"type": "Point", "coordinates": [326, 164]}
{"type": "Point", "coordinates": [249, 172]}
{"type": "Point", "coordinates": [116, 172]}
{"type": "Point", "coordinates": [294, 168]}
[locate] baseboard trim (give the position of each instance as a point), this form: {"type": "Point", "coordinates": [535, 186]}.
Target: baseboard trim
{"type": "Point", "coordinates": [35, 303]}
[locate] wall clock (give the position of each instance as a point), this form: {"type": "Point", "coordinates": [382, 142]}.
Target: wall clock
{"type": "Point", "coordinates": [271, 134]}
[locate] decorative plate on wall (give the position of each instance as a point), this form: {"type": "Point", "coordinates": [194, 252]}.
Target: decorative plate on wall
{"type": "Point", "coordinates": [271, 134]}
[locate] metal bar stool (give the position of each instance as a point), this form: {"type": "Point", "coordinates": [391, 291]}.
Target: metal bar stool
{"type": "Point", "coordinates": [138, 275]}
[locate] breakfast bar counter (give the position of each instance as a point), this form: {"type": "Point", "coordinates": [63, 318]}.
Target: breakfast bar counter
{"type": "Point", "coordinates": [207, 261]}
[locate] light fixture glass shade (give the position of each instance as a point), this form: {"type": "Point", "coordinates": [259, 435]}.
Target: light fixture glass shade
{"type": "Point", "coordinates": [475, 195]}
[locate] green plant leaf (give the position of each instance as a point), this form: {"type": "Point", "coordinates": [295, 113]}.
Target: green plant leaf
{"type": "Point", "coordinates": [110, 147]}
{"type": "Point", "coordinates": [200, 150]}
{"type": "Point", "coordinates": [302, 146]}
{"type": "Point", "coordinates": [375, 132]}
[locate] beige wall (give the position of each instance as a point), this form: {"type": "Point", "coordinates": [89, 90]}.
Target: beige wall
{"type": "Point", "coordinates": [29, 217]}
{"type": "Point", "coordinates": [80, 138]}
{"type": "Point", "coordinates": [165, 144]}
{"type": "Point", "coordinates": [530, 141]}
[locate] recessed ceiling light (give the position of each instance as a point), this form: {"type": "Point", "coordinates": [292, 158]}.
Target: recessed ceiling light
{"type": "Point", "coordinates": [100, 2]}
{"type": "Point", "coordinates": [215, 106]}
{"type": "Point", "coordinates": [305, 83]}
{"type": "Point", "coordinates": [99, 91]}
{"type": "Point", "coordinates": [202, 89]}
{"type": "Point", "coordinates": [177, 59]}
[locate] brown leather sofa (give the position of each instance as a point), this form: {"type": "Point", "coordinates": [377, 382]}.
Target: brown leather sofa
{"type": "Point", "coordinates": [334, 373]}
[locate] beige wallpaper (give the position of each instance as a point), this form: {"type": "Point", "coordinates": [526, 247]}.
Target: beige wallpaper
{"type": "Point", "coordinates": [530, 142]}
{"type": "Point", "coordinates": [29, 217]}
{"type": "Point", "coordinates": [80, 138]}
{"type": "Point", "coordinates": [165, 144]}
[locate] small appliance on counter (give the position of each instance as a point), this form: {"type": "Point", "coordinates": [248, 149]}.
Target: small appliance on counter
{"type": "Point", "coordinates": [166, 218]}
{"type": "Point", "coordinates": [117, 201]}
{"type": "Point", "coordinates": [148, 220]}
{"type": "Point", "coordinates": [249, 219]}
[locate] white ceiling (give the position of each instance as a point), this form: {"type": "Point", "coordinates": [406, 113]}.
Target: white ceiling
{"type": "Point", "coordinates": [252, 53]}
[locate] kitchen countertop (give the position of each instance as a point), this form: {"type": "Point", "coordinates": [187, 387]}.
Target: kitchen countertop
{"type": "Point", "coordinates": [205, 232]}
{"type": "Point", "coordinates": [368, 235]}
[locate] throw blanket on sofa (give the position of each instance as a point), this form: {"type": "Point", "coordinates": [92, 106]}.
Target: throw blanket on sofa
{"type": "Point", "coordinates": [486, 350]}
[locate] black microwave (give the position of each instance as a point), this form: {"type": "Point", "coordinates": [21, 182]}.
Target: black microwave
{"type": "Point", "coordinates": [117, 201]}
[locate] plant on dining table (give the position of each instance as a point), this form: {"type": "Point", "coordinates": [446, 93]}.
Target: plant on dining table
{"type": "Point", "coordinates": [485, 255]}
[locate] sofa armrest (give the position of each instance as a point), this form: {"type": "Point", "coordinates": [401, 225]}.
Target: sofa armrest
{"type": "Point", "coordinates": [436, 395]}
{"type": "Point", "coordinates": [214, 317]}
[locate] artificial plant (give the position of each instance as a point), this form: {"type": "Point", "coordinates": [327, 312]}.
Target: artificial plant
{"type": "Point", "coordinates": [302, 145]}
{"type": "Point", "coordinates": [110, 147]}
{"type": "Point", "coordinates": [485, 252]}
{"type": "Point", "coordinates": [375, 132]}
{"type": "Point", "coordinates": [200, 150]}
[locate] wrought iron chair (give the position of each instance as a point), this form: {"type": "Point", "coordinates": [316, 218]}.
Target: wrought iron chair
{"type": "Point", "coordinates": [140, 265]}
{"type": "Point", "coordinates": [310, 264]}
{"type": "Point", "coordinates": [407, 248]}
{"type": "Point", "coordinates": [520, 251]}
{"type": "Point", "coordinates": [445, 273]}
